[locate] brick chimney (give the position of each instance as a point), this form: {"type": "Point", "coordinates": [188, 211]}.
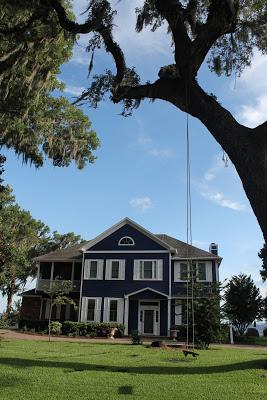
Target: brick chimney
{"type": "Point", "coordinates": [213, 248]}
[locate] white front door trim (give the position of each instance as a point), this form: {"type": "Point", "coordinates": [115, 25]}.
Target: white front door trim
{"type": "Point", "coordinates": [156, 316]}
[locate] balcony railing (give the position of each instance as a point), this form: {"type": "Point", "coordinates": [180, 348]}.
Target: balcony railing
{"type": "Point", "coordinates": [43, 284]}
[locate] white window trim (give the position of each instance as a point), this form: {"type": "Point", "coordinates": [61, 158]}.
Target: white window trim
{"type": "Point", "coordinates": [108, 272]}
{"type": "Point", "coordinates": [100, 264]}
{"type": "Point", "coordinates": [97, 313]}
{"type": "Point", "coordinates": [177, 271]}
{"type": "Point", "coordinates": [120, 309]}
{"type": "Point", "coordinates": [206, 272]}
{"type": "Point", "coordinates": [138, 267]}
{"type": "Point", "coordinates": [124, 244]}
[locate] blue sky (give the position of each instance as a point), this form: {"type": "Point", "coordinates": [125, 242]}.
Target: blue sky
{"type": "Point", "coordinates": [140, 170]}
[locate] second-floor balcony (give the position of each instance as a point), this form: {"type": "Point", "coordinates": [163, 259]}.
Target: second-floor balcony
{"type": "Point", "coordinates": [50, 272]}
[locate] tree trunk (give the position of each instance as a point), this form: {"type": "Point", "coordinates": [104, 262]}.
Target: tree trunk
{"type": "Point", "coordinates": [10, 294]}
{"type": "Point", "coordinates": [246, 147]}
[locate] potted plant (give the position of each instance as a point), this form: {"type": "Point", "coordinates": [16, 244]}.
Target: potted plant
{"type": "Point", "coordinates": [173, 332]}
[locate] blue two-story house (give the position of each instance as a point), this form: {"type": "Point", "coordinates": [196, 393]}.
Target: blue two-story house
{"type": "Point", "coordinates": [125, 275]}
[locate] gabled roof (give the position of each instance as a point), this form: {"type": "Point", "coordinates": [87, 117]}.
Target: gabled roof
{"type": "Point", "coordinates": [180, 250]}
{"type": "Point", "coordinates": [114, 228]}
{"type": "Point", "coordinates": [184, 250]}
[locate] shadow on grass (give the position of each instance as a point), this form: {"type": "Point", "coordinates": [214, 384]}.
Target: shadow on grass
{"type": "Point", "coordinates": [154, 370]}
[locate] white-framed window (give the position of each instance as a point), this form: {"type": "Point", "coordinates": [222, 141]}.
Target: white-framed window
{"type": "Point", "coordinates": [202, 271]}
{"type": "Point", "coordinates": [115, 270]}
{"type": "Point", "coordinates": [148, 270]}
{"type": "Point", "coordinates": [113, 310]}
{"type": "Point", "coordinates": [126, 241]}
{"type": "Point", "coordinates": [91, 309]}
{"type": "Point", "coordinates": [93, 269]}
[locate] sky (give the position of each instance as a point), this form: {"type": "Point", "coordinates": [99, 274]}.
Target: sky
{"type": "Point", "coordinates": [140, 171]}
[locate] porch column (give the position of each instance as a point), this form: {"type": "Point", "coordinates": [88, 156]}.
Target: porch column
{"type": "Point", "coordinates": [126, 314]}
{"type": "Point", "coordinates": [51, 275]}
{"type": "Point", "coordinates": [169, 317]}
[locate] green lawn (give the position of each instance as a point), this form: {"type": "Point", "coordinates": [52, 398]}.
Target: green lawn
{"type": "Point", "coordinates": [72, 371]}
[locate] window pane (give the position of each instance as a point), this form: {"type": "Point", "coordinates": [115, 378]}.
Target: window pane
{"type": "Point", "coordinates": [183, 272]}
{"type": "Point", "coordinates": [91, 310]}
{"type": "Point", "coordinates": [147, 270]}
{"type": "Point", "coordinates": [113, 311]}
{"type": "Point", "coordinates": [202, 271]}
{"type": "Point", "coordinates": [93, 269]}
{"type": "Point", "coordinates": [115, 268]}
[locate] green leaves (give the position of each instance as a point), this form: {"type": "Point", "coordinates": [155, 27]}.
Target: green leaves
{"type": "Point", "coordinates": [33, 121]}
{"type": "Point", "coordinates": [243, 302]}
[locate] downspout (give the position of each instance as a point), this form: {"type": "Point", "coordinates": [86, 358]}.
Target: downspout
{"type": "Point", "coordinates": [81, 289]}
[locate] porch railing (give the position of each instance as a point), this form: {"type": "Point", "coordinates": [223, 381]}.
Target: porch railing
{"type": "Point", "coordinates": [43, 284]}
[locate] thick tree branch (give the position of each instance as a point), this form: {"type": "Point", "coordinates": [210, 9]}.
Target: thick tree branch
{"type": "Point", "coordinates": [222, 19]}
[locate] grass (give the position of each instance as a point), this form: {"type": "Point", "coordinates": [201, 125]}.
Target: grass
{"type": "Point", "coordinates": [64, 370]}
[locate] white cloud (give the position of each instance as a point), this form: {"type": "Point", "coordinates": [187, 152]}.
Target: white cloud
{"type": "Point", "coordinates": [150, 147]}
{"type": "Point", "coordinates": [133, 43]}
{"type": "Point", "coordinates": [216, 167]}
{"type": "Point", "coordinates": [253, 86]}
{"type": "Point", "coordinates": [75, 90]}
{"type": "Point", "coordinates": [141, 203]}
{"type": "Point", "coordinates": [207, 188]}
{"type": "Point", "coordinates": [220, 199]}
{"type": "Point", "coordinates": [254, 115]}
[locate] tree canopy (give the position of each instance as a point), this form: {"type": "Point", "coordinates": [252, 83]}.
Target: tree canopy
{"type": "Point", "coordinates": [224, 32]}
{"type": "Point", "coordinates": [243, 302]}
{"type": "Point", "coordinates": [21, 239]}
{"type": "Point", "coordinates": [35, 119]}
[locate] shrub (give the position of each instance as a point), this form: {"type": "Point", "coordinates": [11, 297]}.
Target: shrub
{"type": "Point", "coordinates": [39, 326]}
{"type": "Point", "coordinates": [55, 328]}
{"type": "Point", "coordinates": [136, 337]}
{"type": "Point", "coordinates": [265, 332]}
{"type": "Point", "coordinates": [252, 332]}
{"type": "Point", "coordinates": [91, 329]}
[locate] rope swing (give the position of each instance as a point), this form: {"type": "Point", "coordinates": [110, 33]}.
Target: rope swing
{"type": "Point", "coordinates": [190, 267]}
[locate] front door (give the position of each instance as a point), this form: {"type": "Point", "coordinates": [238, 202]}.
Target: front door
{"type": "Point", "coordinates": [149, 322]}
{"type": "Point", "coordinates": [149, 318]}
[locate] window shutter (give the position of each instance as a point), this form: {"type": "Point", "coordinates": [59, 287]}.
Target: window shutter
{"type": "Point", "coordinates": [47, 309]}
{"type": "Point", "coordinates": [177, 271]}
{"type": "Point", "coordinates": [120, 311]}
{"type": "Point", "coordinates": [122, 270]}
{"type": "Point", "coordinates": [106, 310]}
{"type": "Point", "coordinates": [98, 303]}
{"type": "Point", "coordinates": [100, 267]}
{"type": "Point", "coordinates": [136, 272]}
{"type": "Point", "coordinates": [160, 270]}
{"type": "Point", "coordinates": [108, 270]}
{"type": "Point", "coordinates": [84, 309]}
{"type": "Point", "coordinates": [86, 272]}
{"type": "Point", "coordinates": [178, 313]}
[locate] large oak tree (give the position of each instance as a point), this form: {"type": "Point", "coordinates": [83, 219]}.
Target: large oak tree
{"type": "Point", "coordinates": [223, 31]}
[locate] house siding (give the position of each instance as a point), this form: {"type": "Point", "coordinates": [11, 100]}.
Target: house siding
{"type": "Point", "coordinates": [107, 288]}
{"type": "Point", "coordinates": [142, 242]}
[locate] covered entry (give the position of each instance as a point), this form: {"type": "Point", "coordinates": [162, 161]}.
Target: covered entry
{"type": "Point", "coordinates": [147, 310]}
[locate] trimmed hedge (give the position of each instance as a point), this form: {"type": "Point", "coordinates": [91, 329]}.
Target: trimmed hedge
{"type": "Point", "coordinates": [92, 329]}
{"type": "Point", "coordinates": [72, 328]}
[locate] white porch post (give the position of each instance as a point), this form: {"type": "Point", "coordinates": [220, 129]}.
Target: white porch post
{"type": "Point", "coordinates": [51, 275]}
{"type": "Point", "coordinates": [126, 315]}
{"type": "Point", "coordinates": [169, 317]}
{"type": "Point", "coordinates": [72, 272]}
